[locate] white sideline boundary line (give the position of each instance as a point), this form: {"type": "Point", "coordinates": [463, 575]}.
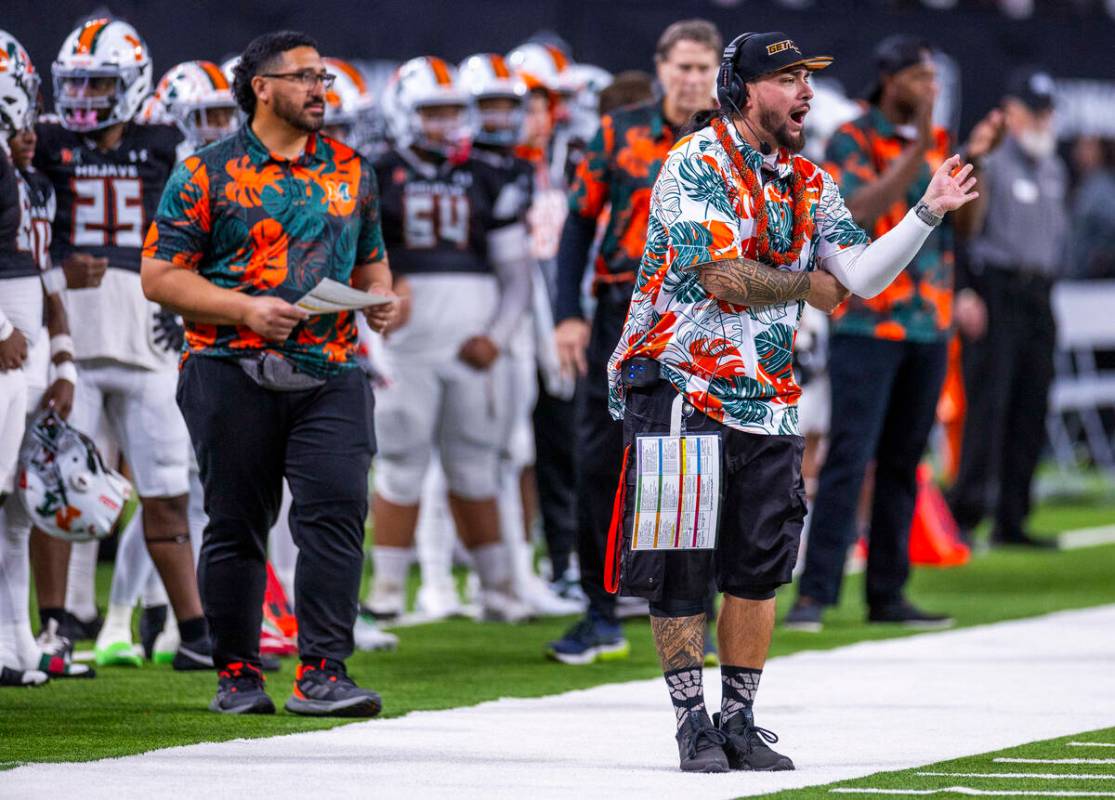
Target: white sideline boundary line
{"type": "Point", "coordinates": [1086, 537]}
{"type": "Point", "coordinates": [1090, 744]}
{"type": "Point", "coordinates": [1054, 760]}
{"type": "Point", "coordinates": [842, 714]}
{"type": "Point", "coordinates": [969, 791]}
{"type": "Point", "coordinates": [1041, 776]}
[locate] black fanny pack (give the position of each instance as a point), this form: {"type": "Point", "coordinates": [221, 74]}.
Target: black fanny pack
{"type": "Point", "coordinates": [276, 373]}
{"type": "Point", "coordinates": [640, 372]}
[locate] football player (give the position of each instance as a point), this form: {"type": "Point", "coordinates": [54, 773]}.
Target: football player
{"type": "Point", "coordinates": [452, 225]}
{"type": "Point", "coordinates": [499, 100]}
{"type": "Point", "coordinates": [28, 287]}
{"type": "Point", "coordinates": [108, 171]}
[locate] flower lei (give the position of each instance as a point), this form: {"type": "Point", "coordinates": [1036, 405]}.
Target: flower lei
{"type": "Point", "coordinates": [803, 220]}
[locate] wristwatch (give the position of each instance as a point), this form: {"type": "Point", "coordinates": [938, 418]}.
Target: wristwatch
{"type": "Point", "coordinates": [927, 216]}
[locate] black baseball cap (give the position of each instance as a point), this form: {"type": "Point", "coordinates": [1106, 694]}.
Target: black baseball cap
{"type": "Point", "coordinates": [1033, 87]}
{"type": "Point", "coordinates": [892, 55]}
{"type": "Point", "coordinates": [765, 53]}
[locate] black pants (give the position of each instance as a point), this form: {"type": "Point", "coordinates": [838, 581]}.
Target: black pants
{"type": "Point", "coordinates": [247, 439]}
{"type": "Point", "coordinates": [599, 457]}
{"type": "Point", "coordinates": [884, 401]}
{"type": "Point", "coordinates": [1007, 375]}
{"type": "Point", "coordinates": [554, 424]}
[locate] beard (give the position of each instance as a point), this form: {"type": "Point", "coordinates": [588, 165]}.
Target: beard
{"type": "Point", "coordinates": [780, 129]}
{"type": "Point", "coordinates": [298, 115]}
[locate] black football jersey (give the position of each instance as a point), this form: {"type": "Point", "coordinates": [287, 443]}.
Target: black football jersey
{"type": "Point", "coordinates": [436, 217]}
{"type": "Point", "coordinates": [106, 199]}
{"type": "Point", "coordinates": [519, 172]}
{"type": "Point", "coordinates": [26, 212]}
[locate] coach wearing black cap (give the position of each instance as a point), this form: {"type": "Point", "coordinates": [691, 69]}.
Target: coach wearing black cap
{"type": "Point", "coordinates": [742, 233]}
{"type": "Point", "coordinates": [887, 354]}
{"type": "Point", "coordinates": [1015, 257]}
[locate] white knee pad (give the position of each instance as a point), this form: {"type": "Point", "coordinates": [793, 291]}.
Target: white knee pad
{"type": "Point", "coordinates": [471, 469]}
{"type": "Point", "coordinates": [399, 475]}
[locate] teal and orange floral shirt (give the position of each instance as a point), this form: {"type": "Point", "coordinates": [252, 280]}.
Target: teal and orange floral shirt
{"type": "Point", "coordinates": [917, 306]}
{"type": "Point", "coordinates": [731, 362]}
{"type": "Point", "coordinates": [249, 220]}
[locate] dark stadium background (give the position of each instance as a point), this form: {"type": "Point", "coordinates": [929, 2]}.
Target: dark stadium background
{"type": "Point", "coordinates": [1071, 38]}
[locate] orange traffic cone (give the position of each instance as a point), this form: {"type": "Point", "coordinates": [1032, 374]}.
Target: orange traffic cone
{"type": "Point", "coordinates": [934, 534]}
{"type": "Point", "coordinates": [279, 628]}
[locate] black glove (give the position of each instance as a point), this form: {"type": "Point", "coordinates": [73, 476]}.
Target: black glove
{"type": "Point", "coordinates": [169, 332]}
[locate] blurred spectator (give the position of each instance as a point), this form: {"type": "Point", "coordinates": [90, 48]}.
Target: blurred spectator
{"type": "Point", "coordinates": [1016, 255]}
{"type": "Point", "coordinates": [1091, 252]}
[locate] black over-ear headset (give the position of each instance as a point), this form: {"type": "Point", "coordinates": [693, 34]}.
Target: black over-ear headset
{"type": "Point", "coordinates": [731, 90]}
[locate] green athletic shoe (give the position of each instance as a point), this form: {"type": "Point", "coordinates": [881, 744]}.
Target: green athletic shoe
{"type": "Point", "coordinates": [118, 654]}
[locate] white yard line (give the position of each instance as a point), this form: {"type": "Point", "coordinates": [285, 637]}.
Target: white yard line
{"type": "Point", "coordinates": [967, 790]}
{"type": "Point", "coordinates": [1040, 776]}
{"type": "Point", "coordinates": [1090, 744]}
{"type": "Point", "coordinates": [1086, 537]}
{"type": "Point", "coordinates": [842, 714]}
{"type": "Point", "coordinates": [1054, 760]}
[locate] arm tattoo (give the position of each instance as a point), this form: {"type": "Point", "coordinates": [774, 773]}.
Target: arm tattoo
{"type": "Point", "coordinates": [680, 641]}
{"type": "Point", "coordinates": [748, 283]}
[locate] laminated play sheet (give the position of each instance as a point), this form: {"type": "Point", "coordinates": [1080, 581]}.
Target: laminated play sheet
{"type": "Point", "coordinates": [677, 492]}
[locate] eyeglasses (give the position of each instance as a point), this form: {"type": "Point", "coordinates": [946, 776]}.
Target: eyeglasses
{"type": "Point", "coordinates": [307, 77]}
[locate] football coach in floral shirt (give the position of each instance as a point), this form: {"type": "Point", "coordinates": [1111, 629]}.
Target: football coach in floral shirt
{"type": "Point", "coordinates": [247, 226]}
{"type": "Point", "coordinates": [742, 233]}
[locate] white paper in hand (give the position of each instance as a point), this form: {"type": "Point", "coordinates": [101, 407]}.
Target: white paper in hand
{"type": "Point", "coordinates": [331, 297]}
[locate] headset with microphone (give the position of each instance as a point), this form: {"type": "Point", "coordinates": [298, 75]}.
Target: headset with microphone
{"type": "Point", "coordinates": [731, 89]}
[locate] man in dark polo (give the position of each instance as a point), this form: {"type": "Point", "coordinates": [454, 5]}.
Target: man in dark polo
{"type": "Point", "coordinates": [246, 227]}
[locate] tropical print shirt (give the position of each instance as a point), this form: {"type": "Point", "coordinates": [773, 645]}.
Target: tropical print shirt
{"type": "Point", "coordinates": [917, 306]}
{"type": "Point", "coordinates": [249, 220]}
{"type": "Point", "coordinates": [618, 170]}
{"type": "Point", "coordinates": [731, 362]}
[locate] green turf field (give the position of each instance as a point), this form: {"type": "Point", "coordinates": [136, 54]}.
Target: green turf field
{"type": "Point", "coordinates": [457, 663]}
{"type": "Point", "coordinates": [986, 773]}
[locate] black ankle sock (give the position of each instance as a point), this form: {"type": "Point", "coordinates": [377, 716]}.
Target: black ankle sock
{"type": "Point", "coordinates": [738, 688]}
{"type": "Point", "coordinates": [47, 614]}
{"type": "Point", "coordinates": [190, 630]}
{"type": "Point", "coordinates": [686, 692]}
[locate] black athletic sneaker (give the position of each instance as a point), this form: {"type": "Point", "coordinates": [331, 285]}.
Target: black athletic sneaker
{"type": "Point", "coordinates": [151, 623]}
{"type": "Point", "coordinates": [193, 656]}
{"type": "Point", "coordinates": [77, 630]}
{"type": "Point", "coordinates": [805, 615]}
{"type": "Point", "coordinates": [240, 691]}
{"type": "Point", "coordinates": [1022, 539]}
{"type": "Point", "coordinates": [906, 613]}
{"type": "Point", "coordinates": [324, 689]}
{"type": "Point", "coordinates": [748, 745]}
{"type": "Point", "coordinates": [701, 745]}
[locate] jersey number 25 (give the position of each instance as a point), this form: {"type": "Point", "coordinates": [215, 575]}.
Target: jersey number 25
{"type": "Point", "coordinates": [108, 212]}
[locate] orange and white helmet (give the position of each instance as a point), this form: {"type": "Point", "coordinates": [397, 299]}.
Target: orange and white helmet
{"type": "Point", "coordinates": [486, 76]}
{"type": "Point", "coordinates": [64, 483]}
{"type": "Point", "coordinates": [228, 68]}
{"type": "Point", "coordinates": [101, 49]}
{"type": "Point", "coordinates": [189, 92]}
{"type": "Point", "coordinates": [348, 101]}
{"type": "Point", "coordinates": [19, 87]}
{"type": "Point", "coordinates": [426, 82]}
{"type": "Point", "coordinates": [544, 66]}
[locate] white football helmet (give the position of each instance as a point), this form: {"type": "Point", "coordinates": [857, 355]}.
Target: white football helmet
{"type": "Point", "coordinates": [64, 483]}
{"type": "Point", "coordinates": [584, 107]}
{"type": "Point", "coordinates": [421, 83]}
{"type": "Point", "coordinates": [348, 103]}
{"type": "Point", "coordinates": [101, 76]}
{"type": "Point", "coordinates": [19, 87]}
{"type": "Point", "coordinates": [190, 92]}
{"type": "Point", "coordinates": [486, 76]}
{"type": "Point", "coordinates": [543, 66]}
